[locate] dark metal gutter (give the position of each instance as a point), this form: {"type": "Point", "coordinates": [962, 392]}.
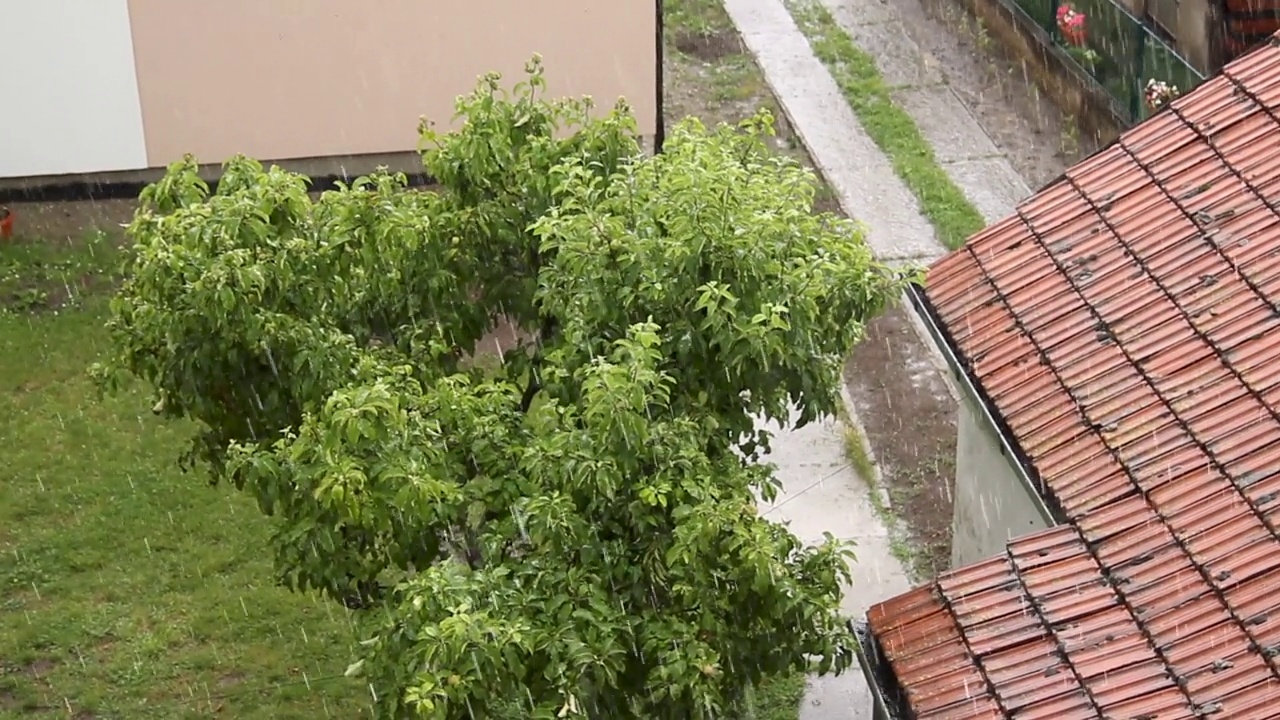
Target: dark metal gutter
{"type": "Point", "coordinates": [887, 701]}
{"type": "Point", "coordinates": [1048, 507]}
{"type": "Point", "coordinates": [72, 188]}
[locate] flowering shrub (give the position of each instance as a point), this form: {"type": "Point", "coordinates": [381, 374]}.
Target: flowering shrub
{"type": "Point", "coordinates": [1071, 23]}
{"type": "Point", "coordinates": [1159, 93]}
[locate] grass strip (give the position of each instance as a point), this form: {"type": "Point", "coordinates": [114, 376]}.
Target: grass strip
{"type": "Point", "coordinates": [890, 127]}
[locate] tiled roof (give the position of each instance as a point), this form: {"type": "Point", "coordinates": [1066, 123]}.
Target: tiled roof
{"type": "Point", "coordinates": [1125, 326]}
{"type": "Point", "coordinates": [1059, 630]}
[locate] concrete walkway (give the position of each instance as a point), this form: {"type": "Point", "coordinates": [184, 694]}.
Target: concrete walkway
{"type": "Point", "coordinates": [821, 492]}
{"type": "Point", "coordinates": [919, 86]}
{"type": "Point", "coordinates": [858, 173]}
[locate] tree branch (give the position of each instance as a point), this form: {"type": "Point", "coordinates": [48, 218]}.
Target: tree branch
{"type": "Point", "coordinates": [474, 554]}
{"type": "Point", "coordinates": [530, 390]}
{"type": "Point", "coordinates": [546, 331]}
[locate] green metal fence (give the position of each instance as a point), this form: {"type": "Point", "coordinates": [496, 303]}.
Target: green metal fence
{"type": "Point", "coordinates": [1117, 50]}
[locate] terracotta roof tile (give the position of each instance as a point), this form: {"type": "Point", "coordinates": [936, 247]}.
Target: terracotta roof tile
{"type": "Point", "coordinates": [1125, 326]}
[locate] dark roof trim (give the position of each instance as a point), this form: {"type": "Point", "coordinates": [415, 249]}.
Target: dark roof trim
{"type": "Point", "coordinates": [887, 699]}
{"type": "Point", "coordinates": [73, 188]}
{"type": "Point", "coordinates": [1050, 511]}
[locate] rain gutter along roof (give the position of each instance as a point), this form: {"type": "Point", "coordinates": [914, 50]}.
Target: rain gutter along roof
{"type": "Point", "coordinates": [1044, 502]}
{"type": "Point", "coordinates": [887, 699]}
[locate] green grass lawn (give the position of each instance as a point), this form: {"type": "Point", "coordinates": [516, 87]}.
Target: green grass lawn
{"type": "Point", "coordinates": [128, 589]}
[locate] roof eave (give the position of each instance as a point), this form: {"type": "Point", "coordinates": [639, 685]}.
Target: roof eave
{"type": "Point", "coordinates": [887, 699]}
{"type": "Point", "coordinates": [969, 386]}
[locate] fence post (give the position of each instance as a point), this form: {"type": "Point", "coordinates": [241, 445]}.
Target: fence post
{"type": "Point", "coordinates": [1140, 70]}
{"type": "Point", "coordinates": [1055, 33]}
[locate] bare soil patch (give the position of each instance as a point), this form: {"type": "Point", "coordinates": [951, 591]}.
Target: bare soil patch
{"type": "Point", "coordinates": [39, 668]}
{"type": "Point", "coordinates": [69, 221]}
{"type": "Point", "coordinates": [909, 418]}
{"type": "Point", "coordinates": [708, 47]}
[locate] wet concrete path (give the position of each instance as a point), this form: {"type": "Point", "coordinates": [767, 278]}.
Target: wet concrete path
{"type": "Point", "coordinates": [854, 167]}
{"type": "Point", "coordinates": [821, 492]}
{"type": "Point", "coordinates": [920, 86]}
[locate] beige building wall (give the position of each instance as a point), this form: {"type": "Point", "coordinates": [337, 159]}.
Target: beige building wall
{"type": "Point", "coordinates": [282, 79]}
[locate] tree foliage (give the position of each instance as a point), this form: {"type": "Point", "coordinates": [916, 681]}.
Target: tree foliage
{"type": "Point", "coordinates": [569, 529]}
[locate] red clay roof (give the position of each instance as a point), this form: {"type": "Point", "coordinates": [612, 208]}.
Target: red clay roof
{"type": "Point", "coordinates": [1061, 630]}
{"type": "Point", "coordinates": [1124, 323]}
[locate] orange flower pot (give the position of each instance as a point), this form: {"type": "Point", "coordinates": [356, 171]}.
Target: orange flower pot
{"type": "Point", "coordinates": [6, 223]}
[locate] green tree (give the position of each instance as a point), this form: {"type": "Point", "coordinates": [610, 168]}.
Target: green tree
{"type": "Point", "coordinates": [569, 529]}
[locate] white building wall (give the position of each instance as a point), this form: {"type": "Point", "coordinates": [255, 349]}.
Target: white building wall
{"type": "Point", "coordinates": [992, 503]}
{"type": "Point", "coordinates": [69, 95]}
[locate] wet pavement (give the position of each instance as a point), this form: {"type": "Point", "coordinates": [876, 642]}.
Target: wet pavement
{"type": "Point", "coordinates": [854, 167]}
{"type": "Point", "coordinates": [820, 493]}
{"type": "Point", "coordinates": [921, 87]}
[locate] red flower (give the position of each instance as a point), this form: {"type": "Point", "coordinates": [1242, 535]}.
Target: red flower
{"type": "Point", "coordinates": [1071, 23]}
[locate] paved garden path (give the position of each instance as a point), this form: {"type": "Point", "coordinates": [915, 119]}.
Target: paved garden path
{"type": "Point", "coordinates": [922, 88]}
{"type": "Point", "coordinates": [822, 492]}
{"type": "Point", "coordinates": [855, 168]}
